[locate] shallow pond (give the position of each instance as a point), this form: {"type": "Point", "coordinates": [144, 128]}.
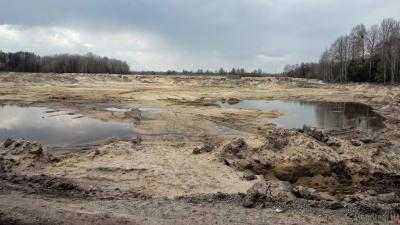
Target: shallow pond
{"type": "Point", "coordinates": [57, 128]}
{"type": "Point", "coordinates": [325, 115]}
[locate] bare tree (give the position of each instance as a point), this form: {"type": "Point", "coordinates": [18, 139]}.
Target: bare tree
{"type": "Point", "coordinates": [371, 46]}
{"type": "Point", "coordinates": [364, 55]}
{"type": "Point", "coordinates": [357, 41]}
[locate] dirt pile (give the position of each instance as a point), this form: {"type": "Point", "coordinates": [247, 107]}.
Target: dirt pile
{"type": "Point", "coordinates": [268, 191]}
{"type": "Point", "coordinates": [134, 114]}
{"type": "Point", "coordinates": [18, 154]}
{"type": "Point", "coordinates": [19, 159]}
{"type": "Point", "coordinates": [317, 163]}
{"type": "Point", "coordinates": [17, 147]}
{"type": "Point", "coordinates": [203, 148]}
{"type": "Point", "coordinates": [42, 184]}
{"type": "Point", "coordinates": [232, 101]}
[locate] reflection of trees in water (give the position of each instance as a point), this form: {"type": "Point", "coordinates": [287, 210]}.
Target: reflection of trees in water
{"type": "Point", "coordinates": [345, 115]}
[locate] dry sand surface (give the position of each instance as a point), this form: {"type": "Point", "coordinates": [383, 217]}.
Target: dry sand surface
{"type": "Point", "coordinates": [194, 162]}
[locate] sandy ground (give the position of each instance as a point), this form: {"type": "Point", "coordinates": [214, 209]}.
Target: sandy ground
{"type": "Point", "coordinates": [159, 180]}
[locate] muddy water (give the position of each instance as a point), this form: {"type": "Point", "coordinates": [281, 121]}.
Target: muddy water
{"type": "Point", "coordinates": [57, 128]}
{"type": "Point", "coordinates": [317, 114]}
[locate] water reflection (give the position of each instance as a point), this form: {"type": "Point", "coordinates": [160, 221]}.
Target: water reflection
{"type": "Point", "coordinates": [54, 128]}
{"type": "Point", "coordinates": [317, 114]}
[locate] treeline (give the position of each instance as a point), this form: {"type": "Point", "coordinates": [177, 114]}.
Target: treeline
{"type": "Point", "coordinates": [234, 72]}
{"type": "Point", "coordinates": [365, 55]}
{"type": "Point", "coordinates": [89, 63]}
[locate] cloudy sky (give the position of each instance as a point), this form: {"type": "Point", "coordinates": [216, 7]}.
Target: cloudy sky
{"type": "Point", "coordinates": [187, 34]}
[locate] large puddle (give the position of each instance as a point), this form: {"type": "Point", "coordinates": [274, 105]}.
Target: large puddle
{"type": "Point", "coordinates": [57, 128]}
{"type": "Point", "coordinates": [316, 114]}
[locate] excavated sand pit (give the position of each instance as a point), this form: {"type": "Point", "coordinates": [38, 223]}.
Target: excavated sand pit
{"type": "Point", "coordinates": [189, 158]}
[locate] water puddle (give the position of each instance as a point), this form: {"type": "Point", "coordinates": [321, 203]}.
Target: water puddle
{"type": "Point", "coordinates": [316, 114]}
{"type": "Point", "coordinates": [114, 109]}
{"type": "Point", "coordinates": [57, 128]}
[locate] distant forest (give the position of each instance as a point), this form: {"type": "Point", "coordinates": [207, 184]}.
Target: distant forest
{"type": "Point", "coordinates": [364, 55]}
{"type": "Point", "coordinates": [89, 63]}
{"type": "Point", "coordinates": [233, 73]}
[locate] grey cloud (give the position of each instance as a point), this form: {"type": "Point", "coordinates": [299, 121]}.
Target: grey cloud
{"type": "Point", "coordinates": [209, 33]}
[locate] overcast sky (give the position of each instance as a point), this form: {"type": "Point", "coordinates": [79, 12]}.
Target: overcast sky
{"type": "Point", "coordinates": [187, 34]}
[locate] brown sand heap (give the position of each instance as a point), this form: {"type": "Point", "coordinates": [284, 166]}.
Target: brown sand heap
{"type": "Point", "coordinates": [19, 154]}
{"type": "Point", "coordinates": [310, 158]}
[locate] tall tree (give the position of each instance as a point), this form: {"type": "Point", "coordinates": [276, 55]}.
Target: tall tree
{"type": "Point", "coordinates": [363, 55]}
